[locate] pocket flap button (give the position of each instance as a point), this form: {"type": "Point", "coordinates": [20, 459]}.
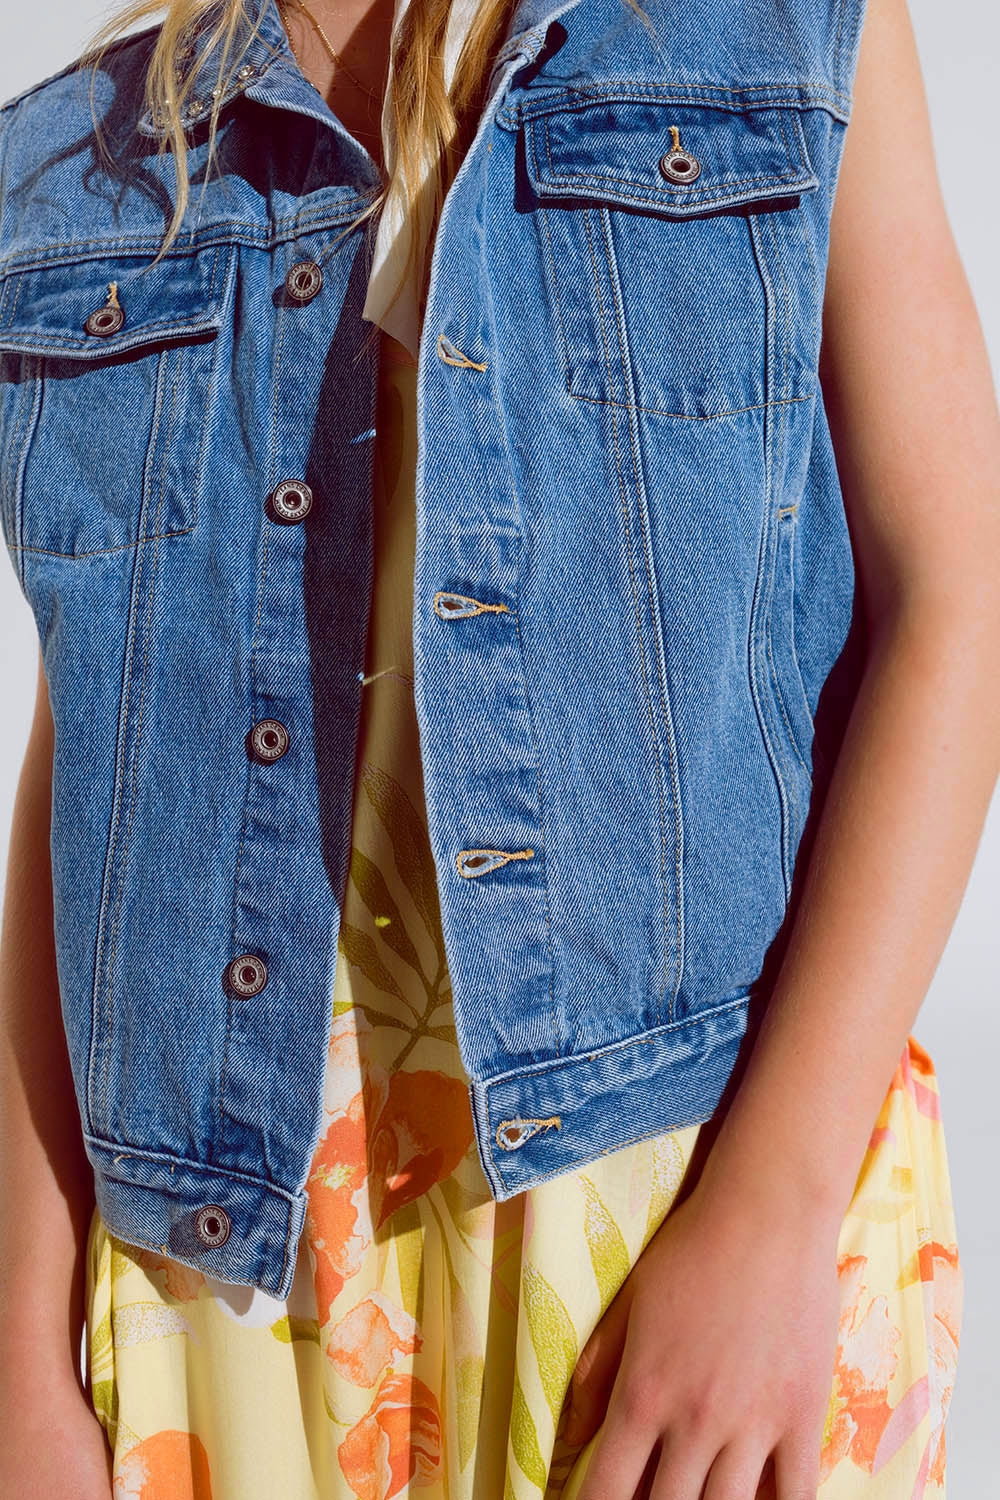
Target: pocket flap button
{"type": "Point", "coordinates": [107, 319]}
{"type": "Point", "coordinates": [678, 165]}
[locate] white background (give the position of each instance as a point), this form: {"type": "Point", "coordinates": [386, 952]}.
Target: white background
{"type": "Point", "coordinates": [959, 1023]}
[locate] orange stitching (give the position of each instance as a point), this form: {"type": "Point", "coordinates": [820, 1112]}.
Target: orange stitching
{"type": "Point", "coordinates": [458, 614]}
{"type": "Point", "coordinates": [452, 355]}
{"type": "Point", "coordinates": [523, 1130]}
{"type": "Point", "coordinates": [489, 859]}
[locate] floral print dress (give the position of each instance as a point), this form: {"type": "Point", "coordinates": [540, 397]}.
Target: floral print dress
{"type": "Point", "coordinates": [428, 1341]}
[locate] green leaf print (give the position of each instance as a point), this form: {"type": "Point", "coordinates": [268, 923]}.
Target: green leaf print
{"type": "Point", "coordinates": [666, 1168]}
{"type": "Point", "coordinates": [359, 950]}
{"type": "Point", "coordinates": [608, 1251]}
{"type": "Point", "coordinates": [100, 1341]}
{"type": "Point", "coordinates": [469, 1382]}
{"type": "Point", "coordinates": [552, 1335]}
{"type": "Point", "coordinates": [408, 1240]}
{"type": "Point", "coordinates": [104, 1398]}
{"type": "Point", "coordinates": [286, 1330]}
{"type": "Point", "coordinates": [524, 1439]}
{"type": "Point", "coordinates": [374, 892]}
{"type": "Point", "coordinates": [410, 845]}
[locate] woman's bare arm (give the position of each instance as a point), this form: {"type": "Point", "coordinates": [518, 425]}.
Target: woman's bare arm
{"type": "Point", "coordinates": [52, 1443]}
{"type": "Point", "coordinates": [742, 1272]}
{"type": "Point", "coordinates": [913, 413]}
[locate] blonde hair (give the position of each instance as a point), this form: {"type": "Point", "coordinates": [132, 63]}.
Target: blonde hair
{"type": "Point", "coordinates": [430, 123]}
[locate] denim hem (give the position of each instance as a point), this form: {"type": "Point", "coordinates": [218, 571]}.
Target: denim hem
{"type": "Point", "coordinates": [535, 1123]}
{"type": "Point", "coordinates": [153, 1200]}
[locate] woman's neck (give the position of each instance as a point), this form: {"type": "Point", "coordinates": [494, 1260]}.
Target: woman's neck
{"type": "Point", "coordinates": [359, 31]}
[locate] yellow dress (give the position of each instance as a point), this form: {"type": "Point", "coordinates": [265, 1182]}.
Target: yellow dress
{"type": "Point", "coordinates": [430, 1335]}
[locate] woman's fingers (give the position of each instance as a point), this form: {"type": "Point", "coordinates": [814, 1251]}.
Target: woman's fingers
{"type": "Point", "coordinates": [796, 1466]}
{"type": "Point", "coordinates": [741, 1471]}
{"type": "Point", "coordinates": [623, 1460]}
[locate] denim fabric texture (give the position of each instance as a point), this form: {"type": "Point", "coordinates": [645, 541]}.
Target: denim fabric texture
{"type": "Point", "coordinates": [626, 477]}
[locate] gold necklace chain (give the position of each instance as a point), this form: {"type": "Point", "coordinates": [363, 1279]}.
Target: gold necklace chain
{"type": "Point", "coordinates": [331, 49]}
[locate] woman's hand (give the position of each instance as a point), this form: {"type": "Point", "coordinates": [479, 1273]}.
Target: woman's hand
{"type": "Point", "coordinates": [718, 1351]}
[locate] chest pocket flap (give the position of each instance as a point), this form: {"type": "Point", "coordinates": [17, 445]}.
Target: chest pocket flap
{"type": "Point", "coordinates": [106, 376]}
{"type": "Point", "coordinates": [682, 159]}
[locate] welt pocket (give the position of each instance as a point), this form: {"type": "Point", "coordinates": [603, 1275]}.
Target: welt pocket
{"type": "Point", "coordinates": [103, 419]}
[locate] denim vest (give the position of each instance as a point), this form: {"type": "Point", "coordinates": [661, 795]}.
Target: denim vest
{"type": "Point", "coordinates": [633, 584]}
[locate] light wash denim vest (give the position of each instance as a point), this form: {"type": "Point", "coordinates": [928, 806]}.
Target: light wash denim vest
{"type": "Point", "coordinates": [634, 600]}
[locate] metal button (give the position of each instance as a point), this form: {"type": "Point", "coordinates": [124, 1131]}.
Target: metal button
{"type": "Point", "coordinates": [304, 280]}
{"type": "Point", "coordinates": [107, 319]}
{"type": "Point", "coordinates": [680, 166]}
{"type": "Point", "coordinates": [246, 974]}
{"type": "Point", "coordinates": [291, 500]}
{"type": "Point", "coordinates": [212, 1224]}
{"type": "Point", "coordinates": [268, 740]}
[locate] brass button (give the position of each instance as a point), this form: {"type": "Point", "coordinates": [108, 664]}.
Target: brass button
{"type": "Point", "coordinates": [680, 166]}
{"type": "Point", "coordinates": [267, 741]}
{"type": "Point", "coordinates": [246, 975]}
{"type": "Point", "coordinates": [303, 281]}
{"type": "Point", "coordinates": [212, 1225]}
{"type": "Point", "coordinates": [291, 500]}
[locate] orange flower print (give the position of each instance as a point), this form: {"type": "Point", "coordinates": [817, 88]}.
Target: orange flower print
{"type": "Point", "coordinates": [938, 1270]}
{"type": "Point", "coordinates": [332, 1230]}
{"type": "Point", "coordinates": [397, 1442]}
{"type": "Point", "coordinates": [419, 1137]}
{"type": "Point", "coordinates": [170, 1465]}
{"type": "Point", "coordinates": [179, 1281]}
{"type": "Point", "coordinates": [943, 1291]}
{"type": "Point", "coordinates": [865, 1363]}
{"type": "Point", "coordinates": [370, 1337]}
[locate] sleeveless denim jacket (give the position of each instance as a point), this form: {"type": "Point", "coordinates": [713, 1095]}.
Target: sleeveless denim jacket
{"type": "Point", "coordinates": [633, 584]}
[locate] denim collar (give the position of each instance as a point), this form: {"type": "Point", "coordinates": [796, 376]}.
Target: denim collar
{"type": "Point", "coordinates": [270, 74]}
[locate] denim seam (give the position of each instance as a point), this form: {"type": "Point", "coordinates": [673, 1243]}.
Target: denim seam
{"type": "Point", "coordinates": [788, 790]}
{"type": "Point", "coordinates": [627, 525]}
{"type": "Point", "coordinates": [654, 608]}
{"type": "Point", "coordinates": [105, 551]}
{"type": "Point", "coordinates": [122, 1149]}
{"type": "Point", "coordinates": [790, 787]}
{"type": "Point", "coordinates": [252, 769]}
{"type": "Point", "coordinates": [787, 524]}
{"type": "Point", "coordinates": [648, 1038]}
{"type": "Point", "coordinates": [554, 282]}
{"type": "Point", "coordinates": [686, 416]}
{"type": "Point", "coordinates": [16, 458]}
{"type": "Point", "coordinates": [761, 602]}
{"type": "Point", "coordinates": [781, 450]}
{"type": "Point", "coordinates": [218, 235]}
{"type": "Point", "coordinates": [122, 856]}
{"type": "Point", "coordinates": [542, 788]}
{"type": "Point", "coordinates": [805, 94]}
